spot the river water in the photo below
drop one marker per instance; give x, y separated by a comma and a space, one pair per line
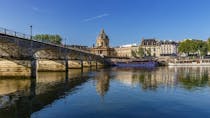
165, 92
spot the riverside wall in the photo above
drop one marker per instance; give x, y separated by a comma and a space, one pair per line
23, 67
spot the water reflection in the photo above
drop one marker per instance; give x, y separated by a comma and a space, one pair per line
102, 82
20, 97
187, 77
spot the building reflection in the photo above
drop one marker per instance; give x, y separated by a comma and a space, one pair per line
102, 82
151, 79
20, 97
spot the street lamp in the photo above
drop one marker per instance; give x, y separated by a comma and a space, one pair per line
65, 42
31, 31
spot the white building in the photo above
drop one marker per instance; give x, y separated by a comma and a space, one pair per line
168, 48
153, 47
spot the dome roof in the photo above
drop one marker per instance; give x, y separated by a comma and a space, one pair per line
102, 40
103, 35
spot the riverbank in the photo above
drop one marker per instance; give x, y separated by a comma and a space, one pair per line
23, 67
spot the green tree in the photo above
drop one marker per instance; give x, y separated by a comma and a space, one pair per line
133, 53
193, 46
203, 48
148, 51
208, 43
49, 38
185, 47
140, 52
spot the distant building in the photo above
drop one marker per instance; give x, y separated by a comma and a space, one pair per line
153, 47
168, 48
102, 45
81, 47
150, 47
125, 50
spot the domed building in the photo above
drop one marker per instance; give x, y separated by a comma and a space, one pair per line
102, 40
102, 45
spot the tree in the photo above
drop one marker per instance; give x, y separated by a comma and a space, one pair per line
193, 46
49, 38
140, 52
203, 47
208, 43
148, 52
133, 53
185, 47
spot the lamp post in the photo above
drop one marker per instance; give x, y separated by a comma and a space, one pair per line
31, 31
64, 42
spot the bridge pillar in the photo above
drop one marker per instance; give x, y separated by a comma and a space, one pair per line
67, 67
96, 64
90, 64
81, 62
34, 68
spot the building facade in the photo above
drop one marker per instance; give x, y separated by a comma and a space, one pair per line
102, 45
151, 47
155, 48
125, 51
168, 48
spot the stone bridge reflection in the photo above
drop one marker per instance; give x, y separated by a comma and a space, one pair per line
20, 97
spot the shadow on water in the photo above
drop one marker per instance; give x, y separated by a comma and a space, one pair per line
20, 96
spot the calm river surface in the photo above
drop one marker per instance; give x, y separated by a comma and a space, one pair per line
109, 93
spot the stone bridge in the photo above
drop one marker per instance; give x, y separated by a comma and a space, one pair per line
23, 51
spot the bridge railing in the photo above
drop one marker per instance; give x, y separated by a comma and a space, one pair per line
14, 33
28, 37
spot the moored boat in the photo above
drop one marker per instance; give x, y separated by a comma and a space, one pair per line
136, 64
190, 62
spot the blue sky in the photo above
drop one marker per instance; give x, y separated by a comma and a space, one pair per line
125, 21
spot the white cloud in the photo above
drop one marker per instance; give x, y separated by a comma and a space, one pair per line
96, 17
36, 9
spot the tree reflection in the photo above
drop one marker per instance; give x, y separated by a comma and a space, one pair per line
191, 80
188, 77
147, 81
